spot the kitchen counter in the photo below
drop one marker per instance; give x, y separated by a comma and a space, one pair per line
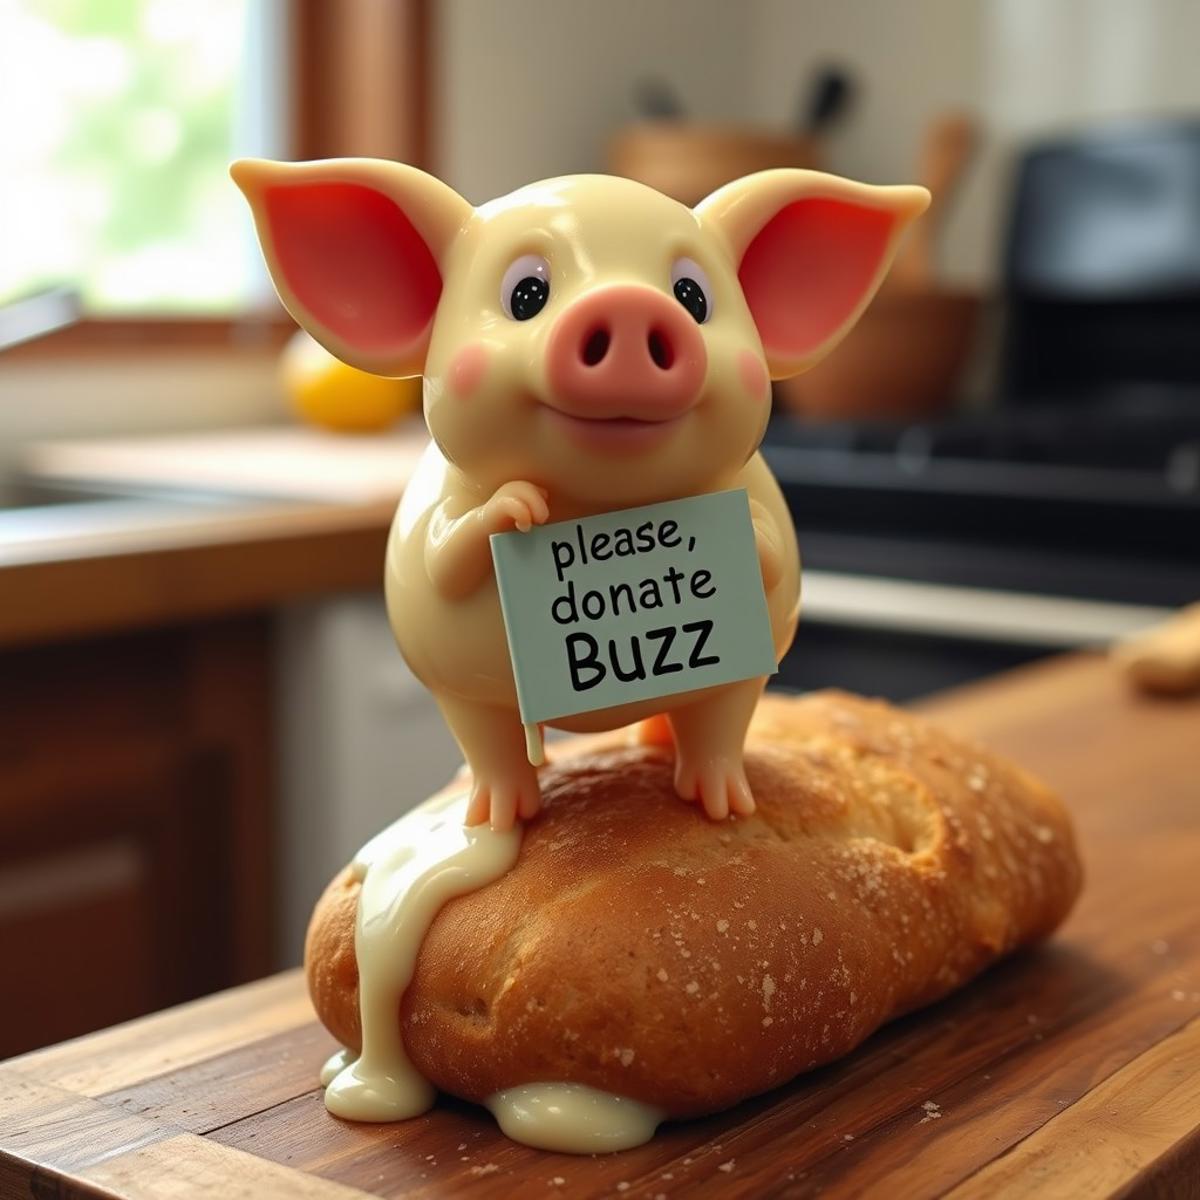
147, 694
242, 519
200, 525
1073, 1070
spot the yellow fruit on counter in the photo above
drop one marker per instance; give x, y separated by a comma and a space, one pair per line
327, 393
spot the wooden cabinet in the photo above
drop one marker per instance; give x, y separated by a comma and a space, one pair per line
135, 825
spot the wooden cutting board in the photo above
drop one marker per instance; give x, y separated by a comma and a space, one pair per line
1072, 1071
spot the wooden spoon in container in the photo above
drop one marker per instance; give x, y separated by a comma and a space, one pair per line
946, 151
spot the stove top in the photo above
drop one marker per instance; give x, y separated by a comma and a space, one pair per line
1098, 500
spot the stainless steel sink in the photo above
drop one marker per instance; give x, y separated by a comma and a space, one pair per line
28, 494
36, 516
20, 494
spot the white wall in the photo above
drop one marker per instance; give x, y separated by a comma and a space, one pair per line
528, 88
1027, 68
909, 62
1055, 63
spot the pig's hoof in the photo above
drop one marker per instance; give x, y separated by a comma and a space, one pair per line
501, 801
719, 784
518, 505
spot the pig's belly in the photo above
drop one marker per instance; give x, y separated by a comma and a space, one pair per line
461, 648
458, 647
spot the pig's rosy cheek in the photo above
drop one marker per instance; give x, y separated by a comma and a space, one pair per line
753, 375
467, 371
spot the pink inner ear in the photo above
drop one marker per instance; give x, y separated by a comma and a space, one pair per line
356, 262
808, 268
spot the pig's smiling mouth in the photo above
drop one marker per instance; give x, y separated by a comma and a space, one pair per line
614, 432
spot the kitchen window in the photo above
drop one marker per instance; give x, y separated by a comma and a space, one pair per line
116, 182
121, 119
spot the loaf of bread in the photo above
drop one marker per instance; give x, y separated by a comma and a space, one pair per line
646, 951
1166, 658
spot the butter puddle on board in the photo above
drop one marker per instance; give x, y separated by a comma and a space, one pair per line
572, 1118
407, 872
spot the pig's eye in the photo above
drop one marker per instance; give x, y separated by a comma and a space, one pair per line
691, 288
525, 287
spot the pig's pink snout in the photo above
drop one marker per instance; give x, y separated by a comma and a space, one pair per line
625, 350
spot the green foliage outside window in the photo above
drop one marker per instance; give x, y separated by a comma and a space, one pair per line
118, 128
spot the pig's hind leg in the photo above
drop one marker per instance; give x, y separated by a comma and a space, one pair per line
709, 740
653, 731
503, 783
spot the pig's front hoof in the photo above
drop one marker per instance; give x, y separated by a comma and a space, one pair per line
500, 801
517, 505
719, 784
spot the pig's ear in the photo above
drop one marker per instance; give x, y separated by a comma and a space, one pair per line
810, 251
356, 249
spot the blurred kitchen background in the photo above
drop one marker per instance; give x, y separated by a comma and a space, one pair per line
202, 714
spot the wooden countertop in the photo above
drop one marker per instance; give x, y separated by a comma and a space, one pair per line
298, 513
1066, 1072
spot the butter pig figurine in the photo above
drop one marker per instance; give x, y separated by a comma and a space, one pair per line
587, 345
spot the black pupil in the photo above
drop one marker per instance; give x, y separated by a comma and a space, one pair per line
691, 295
529, 297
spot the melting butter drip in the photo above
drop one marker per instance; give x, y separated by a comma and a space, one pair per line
572, 1118
334, 1065
407, 872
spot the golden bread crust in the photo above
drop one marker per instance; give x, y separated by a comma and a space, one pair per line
639, 948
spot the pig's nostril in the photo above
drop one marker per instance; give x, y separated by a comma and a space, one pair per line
595, 347
660, 349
